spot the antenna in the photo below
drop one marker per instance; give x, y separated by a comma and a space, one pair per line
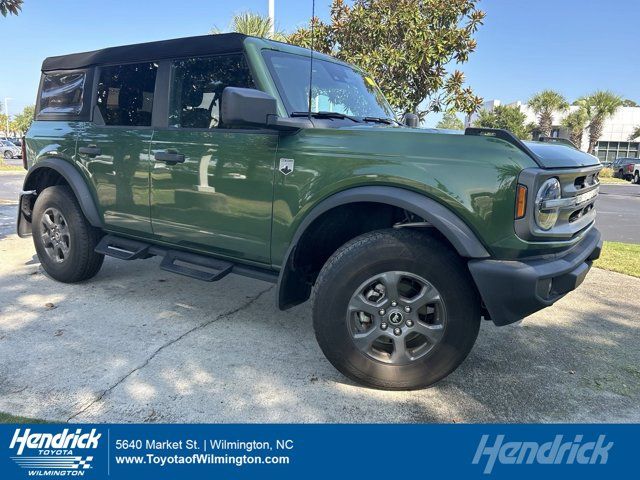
313, 16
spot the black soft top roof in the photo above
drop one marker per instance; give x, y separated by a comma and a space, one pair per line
179, 47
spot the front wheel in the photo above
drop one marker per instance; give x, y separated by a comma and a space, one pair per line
396, 309
636, 178
8, 155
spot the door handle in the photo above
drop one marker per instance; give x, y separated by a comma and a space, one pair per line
91, 150
170, 157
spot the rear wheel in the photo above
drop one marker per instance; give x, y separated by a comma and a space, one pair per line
395, 309
64, 239
636, 178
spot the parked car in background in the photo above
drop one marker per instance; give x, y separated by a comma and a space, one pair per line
623, 167
636, 173
9, 150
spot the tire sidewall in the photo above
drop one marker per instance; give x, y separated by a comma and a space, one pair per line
444, 272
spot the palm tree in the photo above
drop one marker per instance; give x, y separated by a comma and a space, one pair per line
599, 105
635, 134
576, 122
10, 7
544, 104
252, 24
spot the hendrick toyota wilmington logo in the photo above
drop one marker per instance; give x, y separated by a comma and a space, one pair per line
550, 453
54, 454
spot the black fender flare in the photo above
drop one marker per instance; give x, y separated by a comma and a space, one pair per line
77, 183
463, 239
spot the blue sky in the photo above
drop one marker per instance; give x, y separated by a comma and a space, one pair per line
574, 46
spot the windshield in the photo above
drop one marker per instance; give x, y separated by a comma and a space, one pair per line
337, 88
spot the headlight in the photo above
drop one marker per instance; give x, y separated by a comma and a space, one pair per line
547, 216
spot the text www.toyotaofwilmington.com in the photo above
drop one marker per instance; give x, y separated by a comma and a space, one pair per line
200, 459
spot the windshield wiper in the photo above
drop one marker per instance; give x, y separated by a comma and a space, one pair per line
323, 114
386, 121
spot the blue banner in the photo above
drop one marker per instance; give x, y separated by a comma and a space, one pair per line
94, 451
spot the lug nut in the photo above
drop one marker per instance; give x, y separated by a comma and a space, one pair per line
383, 326
397, 331
407, 309
393, 304
409, 323
381, 311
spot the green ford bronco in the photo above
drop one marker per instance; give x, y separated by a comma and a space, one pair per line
204, 151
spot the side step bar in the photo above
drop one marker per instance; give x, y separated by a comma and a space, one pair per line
200, 267
122, 248
195, 266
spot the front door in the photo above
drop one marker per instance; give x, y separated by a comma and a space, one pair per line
114, 147
211, 187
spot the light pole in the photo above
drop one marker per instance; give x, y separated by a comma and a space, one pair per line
272, 16
6, 109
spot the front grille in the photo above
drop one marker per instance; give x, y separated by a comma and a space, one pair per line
576, 207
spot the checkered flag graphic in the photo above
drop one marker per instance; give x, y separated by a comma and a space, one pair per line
84, 464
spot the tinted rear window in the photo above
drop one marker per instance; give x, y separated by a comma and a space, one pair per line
62, 93
125, 94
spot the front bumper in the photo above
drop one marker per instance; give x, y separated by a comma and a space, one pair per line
511, 290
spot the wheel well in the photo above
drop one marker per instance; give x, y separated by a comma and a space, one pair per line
326, 234
44, 177
38, 181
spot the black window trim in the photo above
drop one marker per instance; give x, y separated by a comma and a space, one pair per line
87, 95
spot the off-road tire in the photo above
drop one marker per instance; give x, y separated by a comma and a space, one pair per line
410, 251
82, 261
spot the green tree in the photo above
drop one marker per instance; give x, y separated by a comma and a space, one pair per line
635, 134
543, 105
407, 46
3, 123
599, 106
506, 117
22, 121
576, 122
252, 24
450, 121
629, 103
10, 7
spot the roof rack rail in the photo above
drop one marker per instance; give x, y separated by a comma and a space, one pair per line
502, 134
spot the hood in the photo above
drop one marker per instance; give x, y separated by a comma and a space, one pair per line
545, 155
554, 155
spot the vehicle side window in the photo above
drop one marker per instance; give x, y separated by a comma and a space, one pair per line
197, 85
62, 93
125, 94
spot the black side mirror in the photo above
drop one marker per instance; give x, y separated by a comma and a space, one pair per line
411, 120
246, 107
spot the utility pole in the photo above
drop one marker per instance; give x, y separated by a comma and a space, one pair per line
272, 16
6, 109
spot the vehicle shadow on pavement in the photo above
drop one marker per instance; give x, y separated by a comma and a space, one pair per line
138, 344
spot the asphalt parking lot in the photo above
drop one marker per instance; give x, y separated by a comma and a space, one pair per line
619, 212
137, 344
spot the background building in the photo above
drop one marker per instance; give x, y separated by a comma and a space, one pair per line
614, 141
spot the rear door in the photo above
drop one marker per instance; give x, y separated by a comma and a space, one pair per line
114, 147
211, 186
